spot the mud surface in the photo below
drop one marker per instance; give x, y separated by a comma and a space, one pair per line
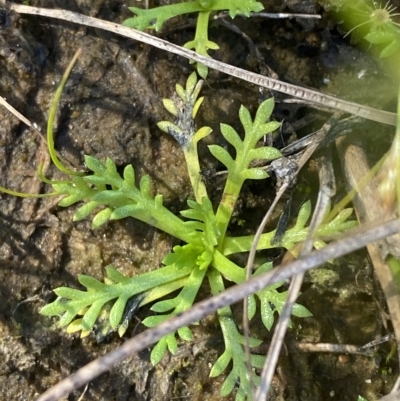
110, 108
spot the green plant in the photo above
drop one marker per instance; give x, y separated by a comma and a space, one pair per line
374, 23
378, 28
154, 19
107, 195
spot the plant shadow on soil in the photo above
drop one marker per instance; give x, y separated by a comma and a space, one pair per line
110, 107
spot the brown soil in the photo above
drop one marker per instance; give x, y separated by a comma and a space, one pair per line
110, 108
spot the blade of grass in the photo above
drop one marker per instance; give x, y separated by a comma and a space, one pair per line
52, 115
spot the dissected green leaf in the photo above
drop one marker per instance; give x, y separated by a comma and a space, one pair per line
202, 233
254, 174
116, 276
185, 333
117, 311
231, 136
158, 351
245, 118
182, 255
222, 155
154, 18
91, 282
102, 217
165, 306
85, 210
94, 164
90, 317
264, 111
221, 364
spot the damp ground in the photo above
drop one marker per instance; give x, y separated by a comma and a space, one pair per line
110, 108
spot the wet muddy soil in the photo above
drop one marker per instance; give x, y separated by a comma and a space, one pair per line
110, 108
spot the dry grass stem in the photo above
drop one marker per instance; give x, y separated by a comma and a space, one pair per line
269, 83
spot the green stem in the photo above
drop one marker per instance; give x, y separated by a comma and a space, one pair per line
234, 182
190, 290
44, 179
202, 44
52, 115
26, 195
193, 166
166, 221
228, 269
163, 290
150, 280
225, 316
226, 206
244, 244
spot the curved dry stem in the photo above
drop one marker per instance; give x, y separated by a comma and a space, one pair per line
249, 266
326, 192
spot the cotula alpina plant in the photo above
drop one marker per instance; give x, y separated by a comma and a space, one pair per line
107, 306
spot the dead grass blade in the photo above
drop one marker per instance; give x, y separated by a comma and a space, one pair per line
21, 117
312, 96
369, 207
